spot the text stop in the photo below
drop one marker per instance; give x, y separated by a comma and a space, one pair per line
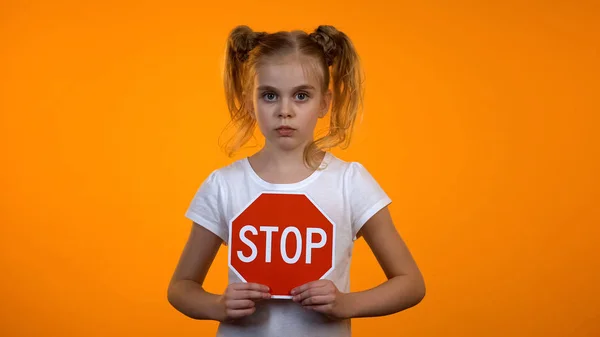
269, 230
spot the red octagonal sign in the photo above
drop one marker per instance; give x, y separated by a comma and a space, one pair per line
281, 240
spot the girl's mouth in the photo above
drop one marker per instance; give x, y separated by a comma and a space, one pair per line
285, 131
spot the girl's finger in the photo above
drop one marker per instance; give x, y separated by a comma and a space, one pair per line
318, 291
240, 304
306, 286
318, 300
249, 294
250, 286
238, 313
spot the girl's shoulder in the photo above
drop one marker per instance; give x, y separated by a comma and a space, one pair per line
348, 168
230, 170
218, 178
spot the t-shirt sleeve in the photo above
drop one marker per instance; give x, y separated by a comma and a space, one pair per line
365, 195
206, 207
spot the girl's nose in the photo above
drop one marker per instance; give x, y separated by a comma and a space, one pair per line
285, 114
286, 110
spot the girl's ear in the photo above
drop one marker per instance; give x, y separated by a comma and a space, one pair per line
325, 103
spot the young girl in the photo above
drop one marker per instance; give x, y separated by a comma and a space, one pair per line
284, 82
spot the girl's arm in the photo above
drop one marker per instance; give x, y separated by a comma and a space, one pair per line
185, 292
403, 289
405, 286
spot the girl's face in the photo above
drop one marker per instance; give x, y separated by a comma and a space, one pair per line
288, 101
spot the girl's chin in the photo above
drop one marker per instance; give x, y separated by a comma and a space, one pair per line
287, 143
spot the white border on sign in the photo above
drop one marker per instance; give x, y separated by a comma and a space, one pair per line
281, 192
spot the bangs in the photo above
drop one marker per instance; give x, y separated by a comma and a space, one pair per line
312, 68
313, 72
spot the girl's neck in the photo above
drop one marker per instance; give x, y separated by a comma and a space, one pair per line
280, 166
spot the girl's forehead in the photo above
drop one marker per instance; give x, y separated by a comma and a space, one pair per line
287, 72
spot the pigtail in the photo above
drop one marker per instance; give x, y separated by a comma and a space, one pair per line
347, 87
241, 41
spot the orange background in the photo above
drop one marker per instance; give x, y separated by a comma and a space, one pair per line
481, 124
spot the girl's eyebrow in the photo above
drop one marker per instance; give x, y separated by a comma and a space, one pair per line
300, 87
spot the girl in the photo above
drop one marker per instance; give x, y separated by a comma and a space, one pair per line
284, 82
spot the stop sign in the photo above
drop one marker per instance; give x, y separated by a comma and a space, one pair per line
282, 240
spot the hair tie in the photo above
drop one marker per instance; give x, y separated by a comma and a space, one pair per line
247, 43
327, 44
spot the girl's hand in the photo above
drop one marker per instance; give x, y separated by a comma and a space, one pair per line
324, 297
239, 299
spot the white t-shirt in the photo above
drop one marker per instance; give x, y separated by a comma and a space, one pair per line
345, 191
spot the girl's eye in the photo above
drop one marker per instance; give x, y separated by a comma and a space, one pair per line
302, 96
269, 96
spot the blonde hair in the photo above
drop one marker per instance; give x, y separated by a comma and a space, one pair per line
335, 55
